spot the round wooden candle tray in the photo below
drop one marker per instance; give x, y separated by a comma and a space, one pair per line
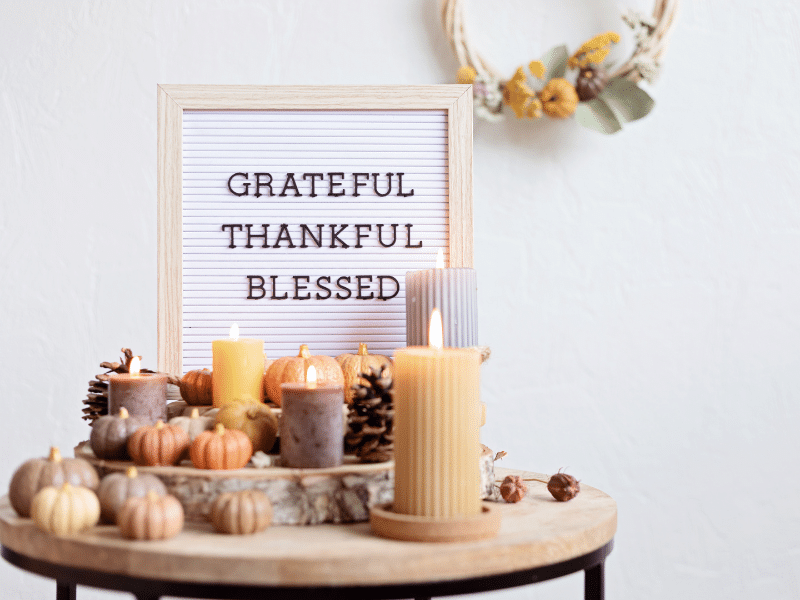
411, 528
341, 494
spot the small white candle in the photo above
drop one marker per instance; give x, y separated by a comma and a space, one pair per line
454, 292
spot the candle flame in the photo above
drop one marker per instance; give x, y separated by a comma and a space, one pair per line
439, 259
435, 330
311, 376
234, 332
136, 366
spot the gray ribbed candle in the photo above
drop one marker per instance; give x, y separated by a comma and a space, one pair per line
455, 293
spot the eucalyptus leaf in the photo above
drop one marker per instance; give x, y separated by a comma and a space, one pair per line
628, 101
596, 114
555, 62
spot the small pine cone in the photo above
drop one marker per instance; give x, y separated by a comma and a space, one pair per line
513, 489
370, 427
563, 487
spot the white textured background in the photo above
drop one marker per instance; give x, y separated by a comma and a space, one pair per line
640, 292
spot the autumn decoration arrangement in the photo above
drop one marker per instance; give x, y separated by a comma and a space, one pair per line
599, 94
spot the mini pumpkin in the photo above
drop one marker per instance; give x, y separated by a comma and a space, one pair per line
241, 513
221, 448
65, 509
116, 488
559, 98
109, 438
151, 517
37, 473
354, 365
158, 444
591, 81
254, 419
194, 424
196, 387
292, 369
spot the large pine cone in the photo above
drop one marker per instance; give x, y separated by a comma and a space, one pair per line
370, 432
97, 399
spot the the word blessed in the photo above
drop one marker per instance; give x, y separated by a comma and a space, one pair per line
359, 287
336, 184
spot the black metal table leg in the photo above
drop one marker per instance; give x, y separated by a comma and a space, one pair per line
594, 582
65, 591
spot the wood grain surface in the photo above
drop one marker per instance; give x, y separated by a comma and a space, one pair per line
535, 532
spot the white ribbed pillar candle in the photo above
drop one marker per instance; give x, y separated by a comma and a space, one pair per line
455, 293
436, 393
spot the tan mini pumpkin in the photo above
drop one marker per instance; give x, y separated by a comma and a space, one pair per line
241, 513
151, 517
254, 419
221, 449
116, 488
196, 388
65, 509
559, 98
292, 369
109, 438
353, 365
158, 445
37, 473
194, 424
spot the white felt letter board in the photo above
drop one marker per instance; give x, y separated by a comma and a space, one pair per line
299, 223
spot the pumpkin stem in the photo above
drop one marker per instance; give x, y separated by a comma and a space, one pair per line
219, 428
152, 496
66, 486
132, 472
159, 424
123, 413
362, 349
304, 351
55, 454
195, 413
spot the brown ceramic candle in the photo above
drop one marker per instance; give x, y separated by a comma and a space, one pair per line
143, 395
312, 430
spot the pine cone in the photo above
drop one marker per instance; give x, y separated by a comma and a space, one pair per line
97, 398
370, 432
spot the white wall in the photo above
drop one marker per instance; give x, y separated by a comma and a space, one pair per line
639, 292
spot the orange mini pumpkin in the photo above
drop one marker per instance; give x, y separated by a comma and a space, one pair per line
559, 98
151, 517
196, 388
292, 369
221, 449
158, 445
354, 365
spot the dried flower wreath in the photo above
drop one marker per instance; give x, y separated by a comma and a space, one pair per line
598, 99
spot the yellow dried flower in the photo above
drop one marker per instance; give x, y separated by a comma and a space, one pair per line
594, 51
466, 74
559, 98
519, 96
537, 68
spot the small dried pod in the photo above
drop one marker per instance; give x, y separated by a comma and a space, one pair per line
65, 509
563, 487
241, 513
116, 488
37, 473
591, 81
221, 449
109, 438
513, 488
158, 445
196, 388
151, 517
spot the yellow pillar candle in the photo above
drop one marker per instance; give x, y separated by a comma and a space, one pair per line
238, 368
437, 430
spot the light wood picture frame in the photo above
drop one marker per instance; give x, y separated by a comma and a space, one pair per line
176, 101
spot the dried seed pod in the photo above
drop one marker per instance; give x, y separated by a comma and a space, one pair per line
513, 488
563, 487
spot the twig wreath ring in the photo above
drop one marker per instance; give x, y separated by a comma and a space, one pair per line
599, 98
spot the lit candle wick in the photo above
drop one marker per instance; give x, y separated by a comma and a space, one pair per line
436, 330
234, 334
311, 377
135, 366
439, 259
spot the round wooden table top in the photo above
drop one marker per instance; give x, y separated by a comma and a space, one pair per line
536, 532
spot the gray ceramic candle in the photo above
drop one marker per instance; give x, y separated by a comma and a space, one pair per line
312, 429
143, 395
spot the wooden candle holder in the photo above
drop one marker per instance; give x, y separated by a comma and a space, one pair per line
411, 528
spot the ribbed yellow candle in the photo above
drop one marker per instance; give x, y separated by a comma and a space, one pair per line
437, 432
238, 370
